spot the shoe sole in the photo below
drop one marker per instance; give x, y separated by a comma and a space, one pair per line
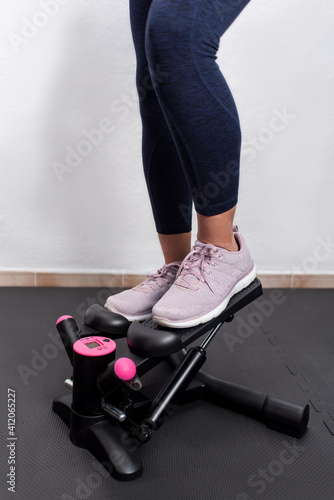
243, 283
141, 317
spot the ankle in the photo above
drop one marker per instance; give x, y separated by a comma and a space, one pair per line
175, 246
231, 244
234, 247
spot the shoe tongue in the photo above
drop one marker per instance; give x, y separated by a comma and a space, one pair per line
171, 270
199, 246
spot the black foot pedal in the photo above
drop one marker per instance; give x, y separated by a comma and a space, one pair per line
167, 341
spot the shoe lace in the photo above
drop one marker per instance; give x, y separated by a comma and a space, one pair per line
160, 278
196, 263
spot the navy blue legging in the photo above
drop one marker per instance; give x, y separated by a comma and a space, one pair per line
190, 126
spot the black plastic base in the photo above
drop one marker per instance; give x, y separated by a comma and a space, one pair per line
105, 439
115, 447
285, 416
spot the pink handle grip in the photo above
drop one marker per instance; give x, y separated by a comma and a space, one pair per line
125, 369
63, 317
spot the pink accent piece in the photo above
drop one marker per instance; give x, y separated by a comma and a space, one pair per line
125, 369
62, 318
87, 346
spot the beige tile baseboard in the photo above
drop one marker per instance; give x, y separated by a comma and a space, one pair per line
297, 280
98, 280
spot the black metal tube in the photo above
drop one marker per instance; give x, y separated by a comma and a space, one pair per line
175, 386
277, 413
69, 333
232, 396
86, 370
107, 381
210, 336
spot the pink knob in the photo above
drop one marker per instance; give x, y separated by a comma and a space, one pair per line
125, 369
62, 318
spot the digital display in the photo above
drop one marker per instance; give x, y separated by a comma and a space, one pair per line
91, 345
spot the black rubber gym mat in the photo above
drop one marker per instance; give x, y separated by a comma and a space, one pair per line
283, 343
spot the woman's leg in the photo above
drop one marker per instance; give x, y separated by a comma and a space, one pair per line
182, 38
183, 106
165, 179
169, 193
166, 182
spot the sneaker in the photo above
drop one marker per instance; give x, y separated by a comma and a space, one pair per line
137, 303
206, 280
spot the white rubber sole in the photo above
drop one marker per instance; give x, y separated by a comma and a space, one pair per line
127, 316
243, 283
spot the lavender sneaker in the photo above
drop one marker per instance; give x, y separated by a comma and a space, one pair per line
206, 280
137, 303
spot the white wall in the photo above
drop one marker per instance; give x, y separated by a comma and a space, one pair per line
78, 70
